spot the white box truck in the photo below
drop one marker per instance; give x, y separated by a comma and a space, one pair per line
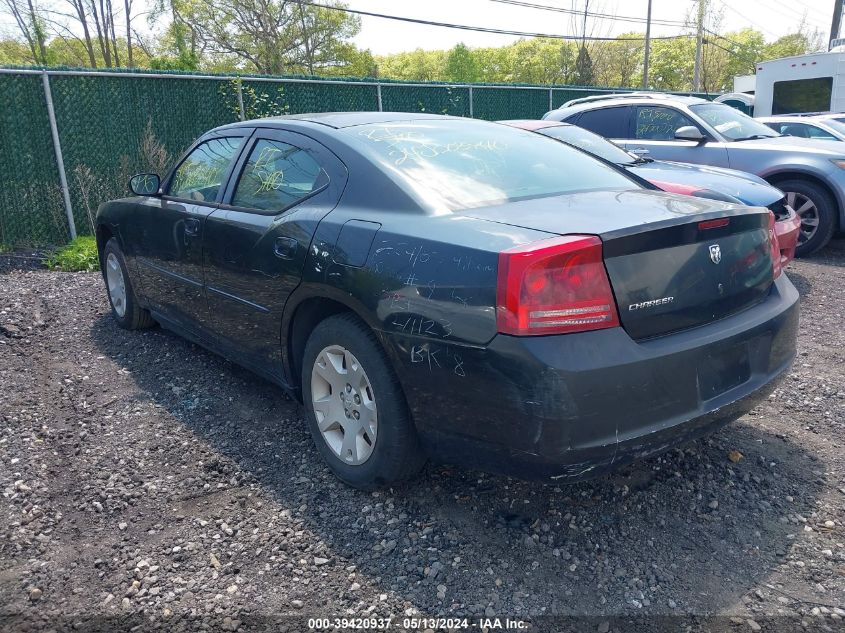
807, 83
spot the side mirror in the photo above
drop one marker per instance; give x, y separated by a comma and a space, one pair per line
145, 184
690, 133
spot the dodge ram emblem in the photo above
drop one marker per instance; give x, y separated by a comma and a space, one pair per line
715, 254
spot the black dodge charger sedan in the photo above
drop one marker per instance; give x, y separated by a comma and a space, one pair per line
440, 287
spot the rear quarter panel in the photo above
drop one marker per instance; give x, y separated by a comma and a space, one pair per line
114, 216
427, 287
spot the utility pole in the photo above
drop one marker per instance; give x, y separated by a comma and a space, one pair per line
837, 19
699, 42
647, 46
584, 28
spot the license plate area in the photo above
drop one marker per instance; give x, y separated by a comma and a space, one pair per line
723, 370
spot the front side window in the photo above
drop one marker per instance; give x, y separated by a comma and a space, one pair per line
276, 176
200, 175
656, 123
731, 123
459, 164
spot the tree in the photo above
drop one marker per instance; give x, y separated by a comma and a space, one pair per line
13, 52
672, 64
30, 22
273, 36
181, 45
323, 33
351, 62
619, 62
461, 65
81, 16
584, 67
417, 65
540, 61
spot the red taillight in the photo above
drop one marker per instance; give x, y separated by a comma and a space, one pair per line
773, 243
713, 224
554, 286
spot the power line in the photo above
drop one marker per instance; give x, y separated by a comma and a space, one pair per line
483, 29
743, 58
747, 19
804, 12
722, 37
598, 16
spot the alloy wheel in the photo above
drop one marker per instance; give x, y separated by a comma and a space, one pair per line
344, 405
807, 212
116, 284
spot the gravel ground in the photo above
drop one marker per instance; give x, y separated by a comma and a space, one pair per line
149, 483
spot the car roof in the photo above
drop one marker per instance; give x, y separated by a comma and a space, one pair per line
340, 119
797, 118
601, 101
533, 124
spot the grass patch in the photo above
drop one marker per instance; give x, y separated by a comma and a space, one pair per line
78, 256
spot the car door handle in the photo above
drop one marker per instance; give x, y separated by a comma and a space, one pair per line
285, 247
192, 227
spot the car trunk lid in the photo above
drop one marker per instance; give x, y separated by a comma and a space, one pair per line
674, 262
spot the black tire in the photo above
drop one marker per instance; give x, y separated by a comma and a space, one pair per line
134, 316
827, 213
396, 454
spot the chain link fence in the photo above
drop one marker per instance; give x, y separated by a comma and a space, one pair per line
70, 139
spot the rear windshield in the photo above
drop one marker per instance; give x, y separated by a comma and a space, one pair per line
589, 142
464, 164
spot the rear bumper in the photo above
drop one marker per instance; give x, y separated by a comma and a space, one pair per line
573, 406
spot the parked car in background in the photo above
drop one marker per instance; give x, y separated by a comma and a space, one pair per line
693, 130
439, 287
827, 127
715, 183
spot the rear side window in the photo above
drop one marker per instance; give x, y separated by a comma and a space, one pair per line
659, 124
201, 173
606, 122
276, 176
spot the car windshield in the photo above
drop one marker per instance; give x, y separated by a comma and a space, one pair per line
731, 123
463, 164
590, 142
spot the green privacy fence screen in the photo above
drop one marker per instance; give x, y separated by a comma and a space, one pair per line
111, 124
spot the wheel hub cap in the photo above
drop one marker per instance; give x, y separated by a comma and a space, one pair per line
344, 405
116, 284
807, 211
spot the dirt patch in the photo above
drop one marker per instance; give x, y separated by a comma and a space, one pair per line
152, 483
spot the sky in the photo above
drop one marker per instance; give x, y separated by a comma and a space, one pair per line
773, 17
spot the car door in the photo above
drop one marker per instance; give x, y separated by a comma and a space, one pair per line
653, 134
257, 241
168, 230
